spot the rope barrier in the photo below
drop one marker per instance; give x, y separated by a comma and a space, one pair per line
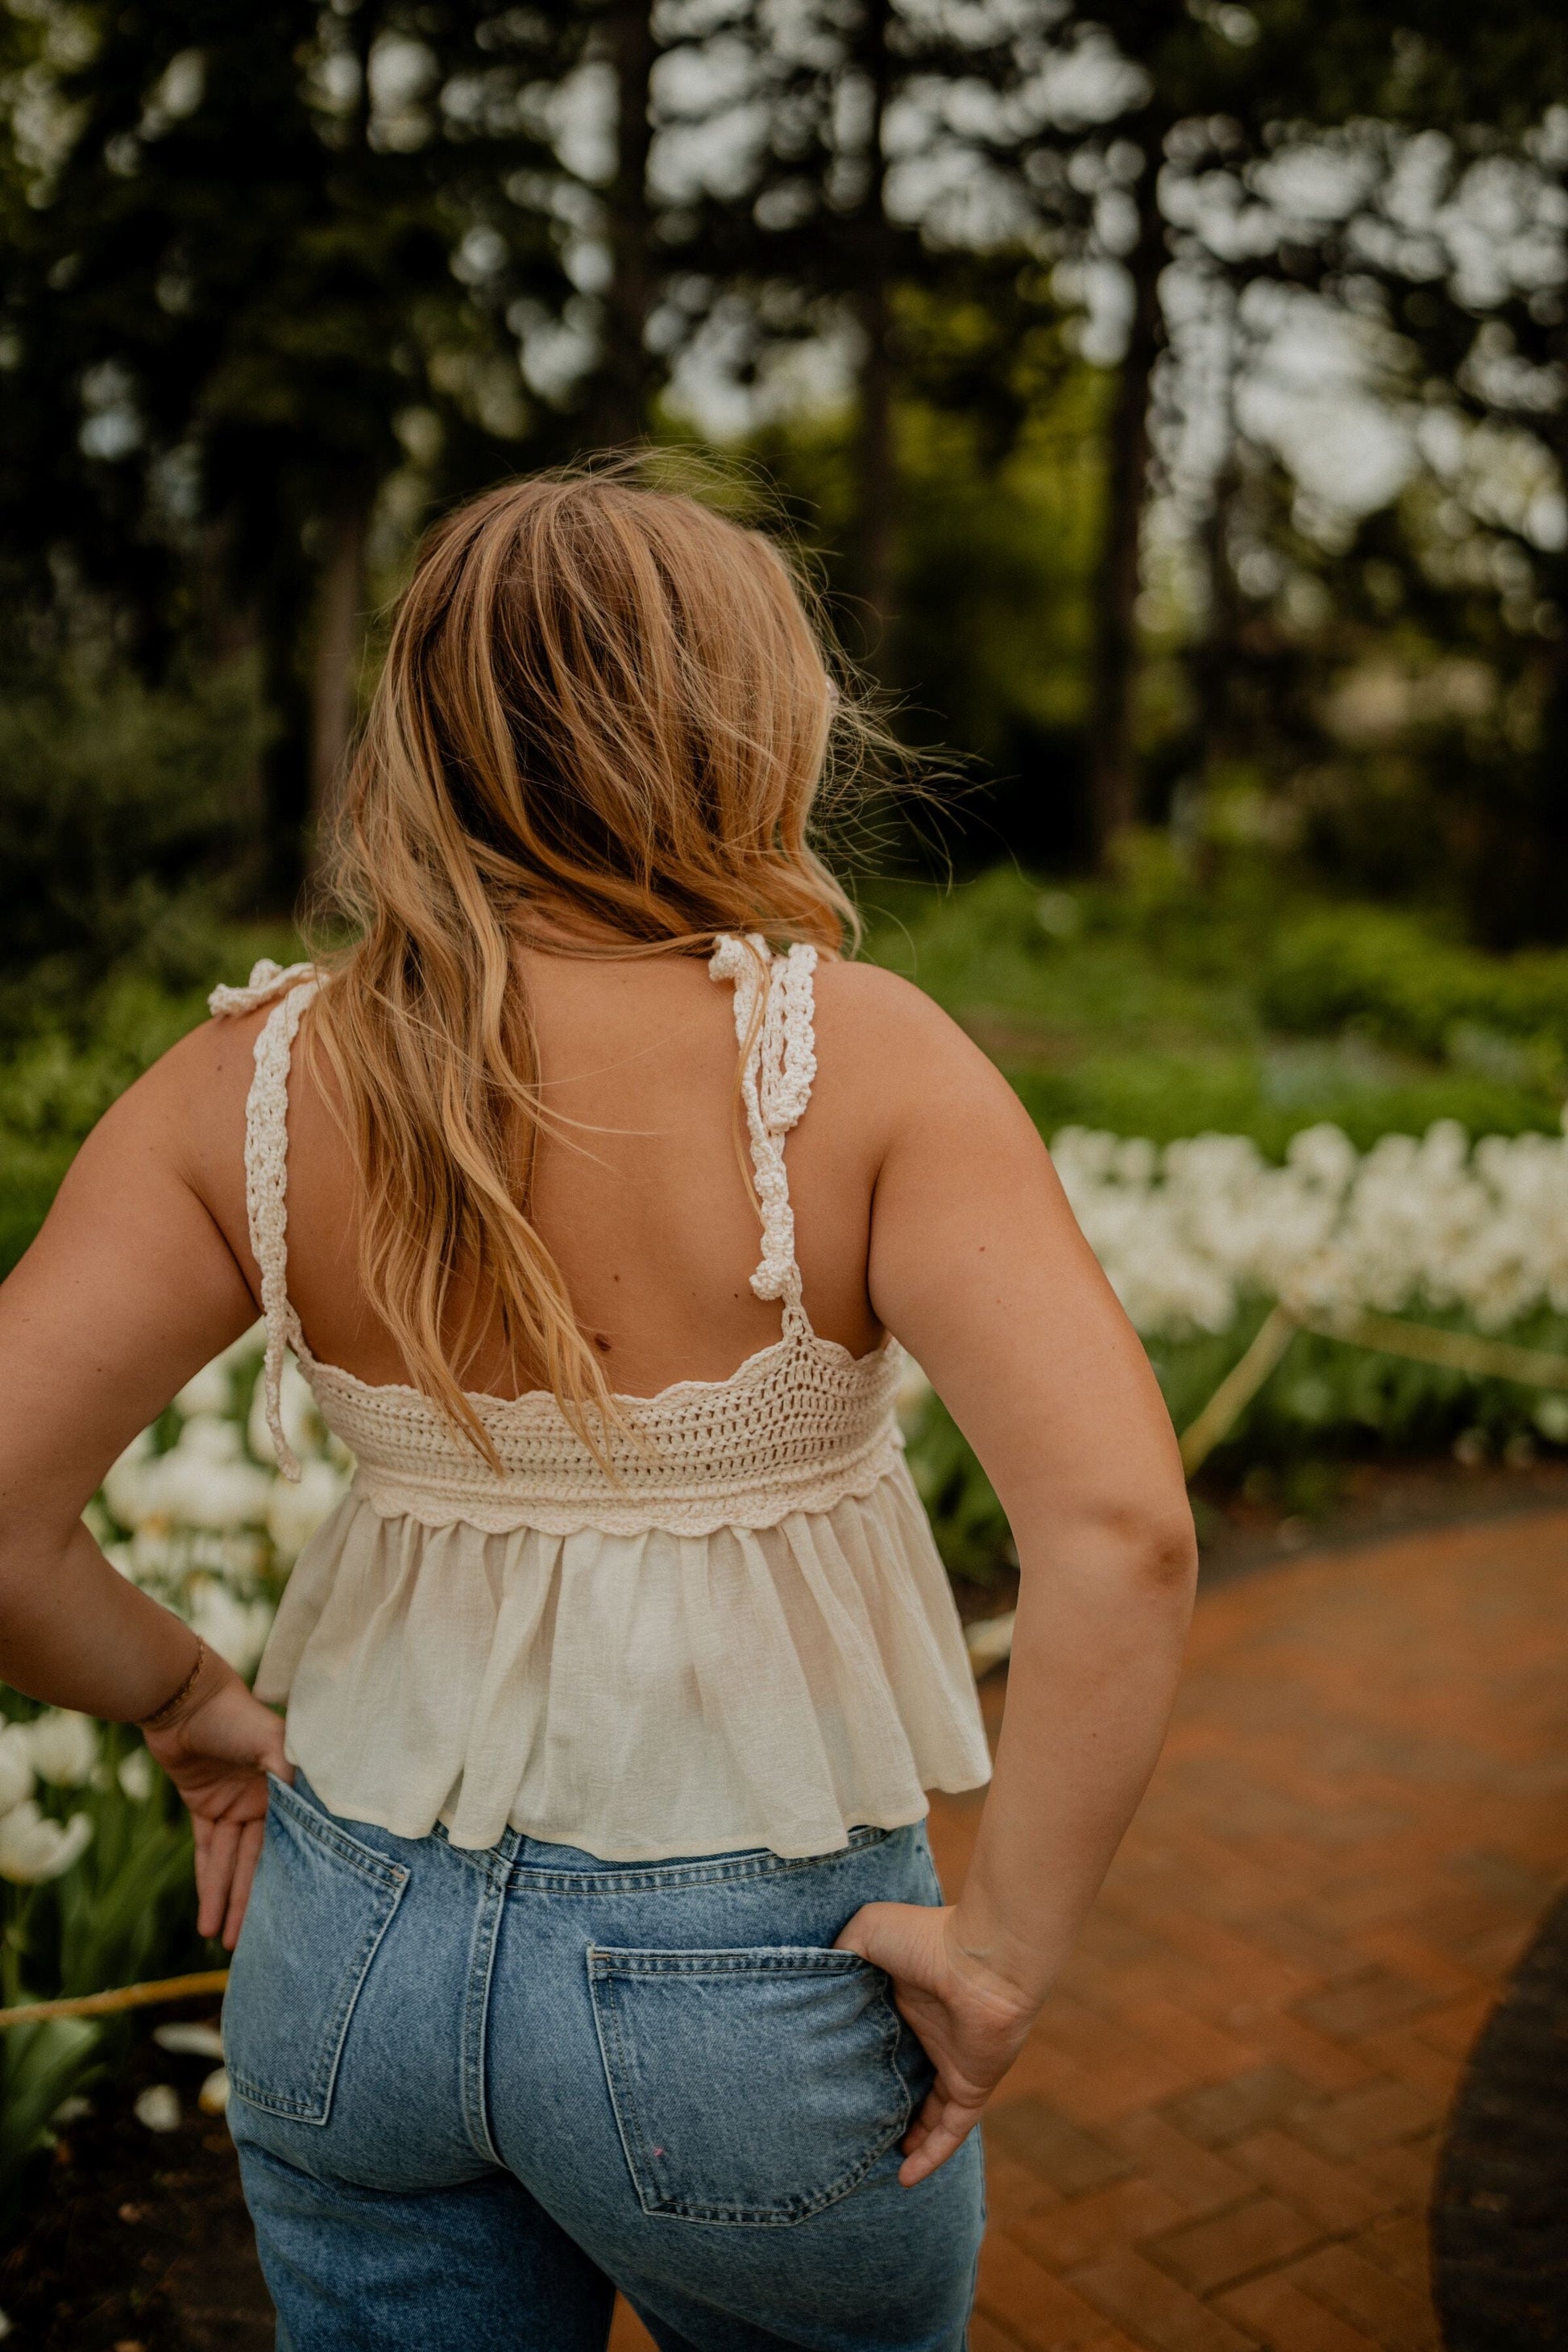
109, 2004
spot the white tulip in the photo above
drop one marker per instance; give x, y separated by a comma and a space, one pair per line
138, 1776
1418, 1223
295, 1512
33, 1848
158, 2108
913, 1390
236, 1629
213, 2097
63, 1747
189, 2041
204, 1481
15, 1765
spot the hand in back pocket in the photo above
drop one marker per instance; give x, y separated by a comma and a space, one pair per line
750, 2087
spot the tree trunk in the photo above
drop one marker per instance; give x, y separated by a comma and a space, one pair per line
619, 410
1216, 657
335, 678
875, 474
1113, 782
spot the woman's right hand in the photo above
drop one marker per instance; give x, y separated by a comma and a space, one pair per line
219, 1758
969, 2020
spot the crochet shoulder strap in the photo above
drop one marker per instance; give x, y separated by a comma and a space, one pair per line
773, 1015
266, 1163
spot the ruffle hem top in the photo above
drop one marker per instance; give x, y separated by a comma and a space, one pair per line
744, 1638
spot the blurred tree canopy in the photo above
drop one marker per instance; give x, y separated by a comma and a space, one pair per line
1176, 391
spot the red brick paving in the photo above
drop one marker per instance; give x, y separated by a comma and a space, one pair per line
1221, 2134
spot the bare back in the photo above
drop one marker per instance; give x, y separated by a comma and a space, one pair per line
639, 1190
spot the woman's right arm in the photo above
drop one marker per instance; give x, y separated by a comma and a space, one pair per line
979, 1267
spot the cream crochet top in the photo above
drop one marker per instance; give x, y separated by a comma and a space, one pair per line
743, 1638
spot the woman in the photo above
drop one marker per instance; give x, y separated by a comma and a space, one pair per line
590, 1936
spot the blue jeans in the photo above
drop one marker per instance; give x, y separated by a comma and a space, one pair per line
474, 2093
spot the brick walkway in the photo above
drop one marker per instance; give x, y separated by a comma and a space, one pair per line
1222, 2129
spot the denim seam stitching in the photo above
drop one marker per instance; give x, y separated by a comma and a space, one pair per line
654, 1879
610, 2026
652, 1961
377, 1867
475, 2014
315, 2106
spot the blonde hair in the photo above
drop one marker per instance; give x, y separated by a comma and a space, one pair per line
602, 701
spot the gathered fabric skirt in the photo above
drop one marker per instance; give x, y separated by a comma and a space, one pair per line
632, 1695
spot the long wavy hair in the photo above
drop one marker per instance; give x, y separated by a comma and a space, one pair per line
606, 710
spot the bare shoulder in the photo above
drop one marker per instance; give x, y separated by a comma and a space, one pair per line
896, 1039
897, 1076
862, 1008
190, 1098
183, 1122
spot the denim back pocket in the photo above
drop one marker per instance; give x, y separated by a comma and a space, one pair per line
749, 2085
320, 1906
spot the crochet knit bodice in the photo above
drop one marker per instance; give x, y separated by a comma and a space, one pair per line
797, 1427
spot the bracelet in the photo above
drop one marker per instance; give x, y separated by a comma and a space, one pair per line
164, 1717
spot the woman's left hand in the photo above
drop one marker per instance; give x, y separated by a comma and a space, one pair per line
969, 2020
218, 1758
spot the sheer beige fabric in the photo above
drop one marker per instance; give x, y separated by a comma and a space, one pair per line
742, 1638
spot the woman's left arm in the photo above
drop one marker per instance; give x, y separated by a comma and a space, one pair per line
130, 1289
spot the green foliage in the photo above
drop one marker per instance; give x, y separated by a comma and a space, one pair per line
72, 1052
118, 802
1164, 1006
1395, 980
40, 2066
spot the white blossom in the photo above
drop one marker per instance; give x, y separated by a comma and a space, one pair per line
236, 1629
208, 1392
189, 2041
33, 1848
63, 1747
125, 1484
204, 1481
137, 1775
295, 1512
1186, 1234
158, 2108
15, 1765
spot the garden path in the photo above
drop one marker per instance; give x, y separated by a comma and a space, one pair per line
1222, 2129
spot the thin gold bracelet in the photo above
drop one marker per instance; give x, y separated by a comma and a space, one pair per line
162, 1716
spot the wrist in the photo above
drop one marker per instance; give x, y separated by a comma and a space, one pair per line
205, 1670
1008, 1971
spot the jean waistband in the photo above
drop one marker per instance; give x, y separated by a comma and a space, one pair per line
540, 1864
